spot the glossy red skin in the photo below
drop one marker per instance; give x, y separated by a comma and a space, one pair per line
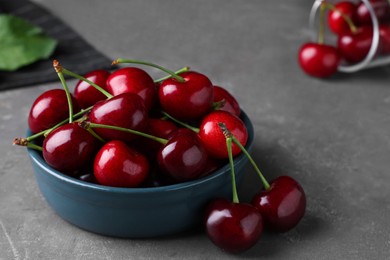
118, 165
187, 100
212, 137
69, 148
230, 103
354, 47
86, 94
384, 34
381, 9
125, 110
336, 22
283, 205
183, 158
133, 80
319, 60
50, 108
157, 127
233, 227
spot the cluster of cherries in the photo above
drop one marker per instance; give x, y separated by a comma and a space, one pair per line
124, 129
352, 25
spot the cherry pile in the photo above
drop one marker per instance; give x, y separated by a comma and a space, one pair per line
125, 129
351, 23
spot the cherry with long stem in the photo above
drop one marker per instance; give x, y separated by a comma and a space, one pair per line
231, 225
282, 203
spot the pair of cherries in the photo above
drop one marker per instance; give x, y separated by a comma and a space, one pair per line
235, 226
352, 24
114, 109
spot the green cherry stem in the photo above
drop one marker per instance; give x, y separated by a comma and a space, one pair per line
77, 76
321, 31
196, 130
170, 72
233, 176
227, 133
86, 125
47, 132
184, 69
58, 68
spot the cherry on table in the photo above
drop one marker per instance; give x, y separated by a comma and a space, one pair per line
134, 80
282, 205
187, 100
69, 147
319, 60
85, 94
49, 109
118, 165
234, 227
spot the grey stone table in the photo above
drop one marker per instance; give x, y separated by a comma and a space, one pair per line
332, 135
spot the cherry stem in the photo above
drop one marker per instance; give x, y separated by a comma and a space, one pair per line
90, 130
77, 76
184, 69
86, 125
233, 176
170, 72
228, 134
219, 104
196, 130
26, 143
346, 18
47, 131
58, 68
321, 33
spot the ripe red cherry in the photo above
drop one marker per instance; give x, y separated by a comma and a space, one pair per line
187, 100
50, 108
381, 10
69, 147
336, 21
229, 102
282, 205
234, 227
183, 158
118, 165
319, 60
133, 80
212, 137
126, 110
86, 94
354, 47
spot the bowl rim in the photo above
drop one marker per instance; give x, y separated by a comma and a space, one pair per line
38, 159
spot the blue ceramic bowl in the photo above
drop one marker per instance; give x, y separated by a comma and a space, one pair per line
134, 212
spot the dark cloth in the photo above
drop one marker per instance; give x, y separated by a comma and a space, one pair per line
73, 52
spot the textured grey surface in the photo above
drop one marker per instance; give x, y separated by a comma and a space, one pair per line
332, 135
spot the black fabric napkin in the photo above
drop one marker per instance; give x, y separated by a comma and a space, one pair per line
72, 50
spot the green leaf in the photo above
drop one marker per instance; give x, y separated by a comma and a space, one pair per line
22, 43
